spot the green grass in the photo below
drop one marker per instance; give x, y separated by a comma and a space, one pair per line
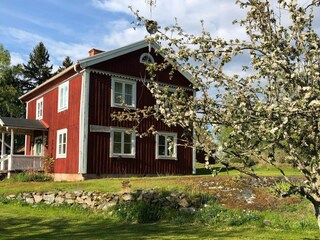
260, 170
19, 221
43, 222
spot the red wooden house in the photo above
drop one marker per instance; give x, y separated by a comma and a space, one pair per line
75, 106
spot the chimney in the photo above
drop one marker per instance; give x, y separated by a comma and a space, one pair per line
94, 51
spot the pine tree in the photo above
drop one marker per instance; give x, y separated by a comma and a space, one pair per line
10, 88
67, 62
37, 70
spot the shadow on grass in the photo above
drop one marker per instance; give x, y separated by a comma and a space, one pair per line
38, 228
25, 222
205, 171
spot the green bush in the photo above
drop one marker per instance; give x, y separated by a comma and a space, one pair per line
139, 212
29, 177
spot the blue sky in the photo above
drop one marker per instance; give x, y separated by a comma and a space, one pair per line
73, 27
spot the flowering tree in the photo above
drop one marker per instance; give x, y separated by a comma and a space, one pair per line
273, 108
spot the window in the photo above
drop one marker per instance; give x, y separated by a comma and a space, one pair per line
146, 58
122, 143
39, 109
63, 96
123, 93
38, 146
62, 143
166, 146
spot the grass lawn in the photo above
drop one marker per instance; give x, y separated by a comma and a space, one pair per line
25, 222
18, 221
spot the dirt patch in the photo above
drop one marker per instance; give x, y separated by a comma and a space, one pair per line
244, 193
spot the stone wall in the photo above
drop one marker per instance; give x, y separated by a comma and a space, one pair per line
103, 201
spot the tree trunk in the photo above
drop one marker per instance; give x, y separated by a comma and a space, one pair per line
316, 206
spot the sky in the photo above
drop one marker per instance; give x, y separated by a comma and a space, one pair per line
73, 27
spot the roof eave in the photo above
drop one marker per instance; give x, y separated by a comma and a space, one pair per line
92, 60
21, 98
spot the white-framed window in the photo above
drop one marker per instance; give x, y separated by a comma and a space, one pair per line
62, 139
123, 93
39, 109
122, 143
146, 58
166, 145
63, 96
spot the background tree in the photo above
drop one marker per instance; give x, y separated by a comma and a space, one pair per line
37, 70
10, 87
67, 62
275, 105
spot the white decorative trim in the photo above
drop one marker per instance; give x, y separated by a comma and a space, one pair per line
90, 61
99, 128
132, 78
150, 59
167, 134
84, 121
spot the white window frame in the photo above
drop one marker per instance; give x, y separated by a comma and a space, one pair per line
63, 93
150, 59
39, 109
61, 132
123, 82
167, 134
133, 143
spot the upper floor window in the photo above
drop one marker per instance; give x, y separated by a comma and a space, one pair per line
166, 146
39, 109
122, 143
62, 143
123, 93
63, 96
146, 58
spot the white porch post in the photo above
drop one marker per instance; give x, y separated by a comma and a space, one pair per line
11, 151
2, 150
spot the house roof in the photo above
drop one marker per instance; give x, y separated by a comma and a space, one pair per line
19, 123
48, 81
100, 57
104, 56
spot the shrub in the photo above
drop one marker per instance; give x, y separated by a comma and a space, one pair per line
29, 176
139, 212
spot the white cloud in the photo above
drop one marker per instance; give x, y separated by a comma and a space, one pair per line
17, 58
218, 15
58, 50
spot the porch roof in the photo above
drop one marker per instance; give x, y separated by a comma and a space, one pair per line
21, 124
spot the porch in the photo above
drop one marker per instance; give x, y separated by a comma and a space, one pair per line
12, 162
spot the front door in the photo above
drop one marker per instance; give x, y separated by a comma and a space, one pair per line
37, 146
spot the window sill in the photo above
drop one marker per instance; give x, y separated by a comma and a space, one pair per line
62, 109
167, 158
119, 156
124, 106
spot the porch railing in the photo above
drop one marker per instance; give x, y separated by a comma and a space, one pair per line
21, 163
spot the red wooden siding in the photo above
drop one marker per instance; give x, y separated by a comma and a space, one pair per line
99, 161
130, 65
59, 120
